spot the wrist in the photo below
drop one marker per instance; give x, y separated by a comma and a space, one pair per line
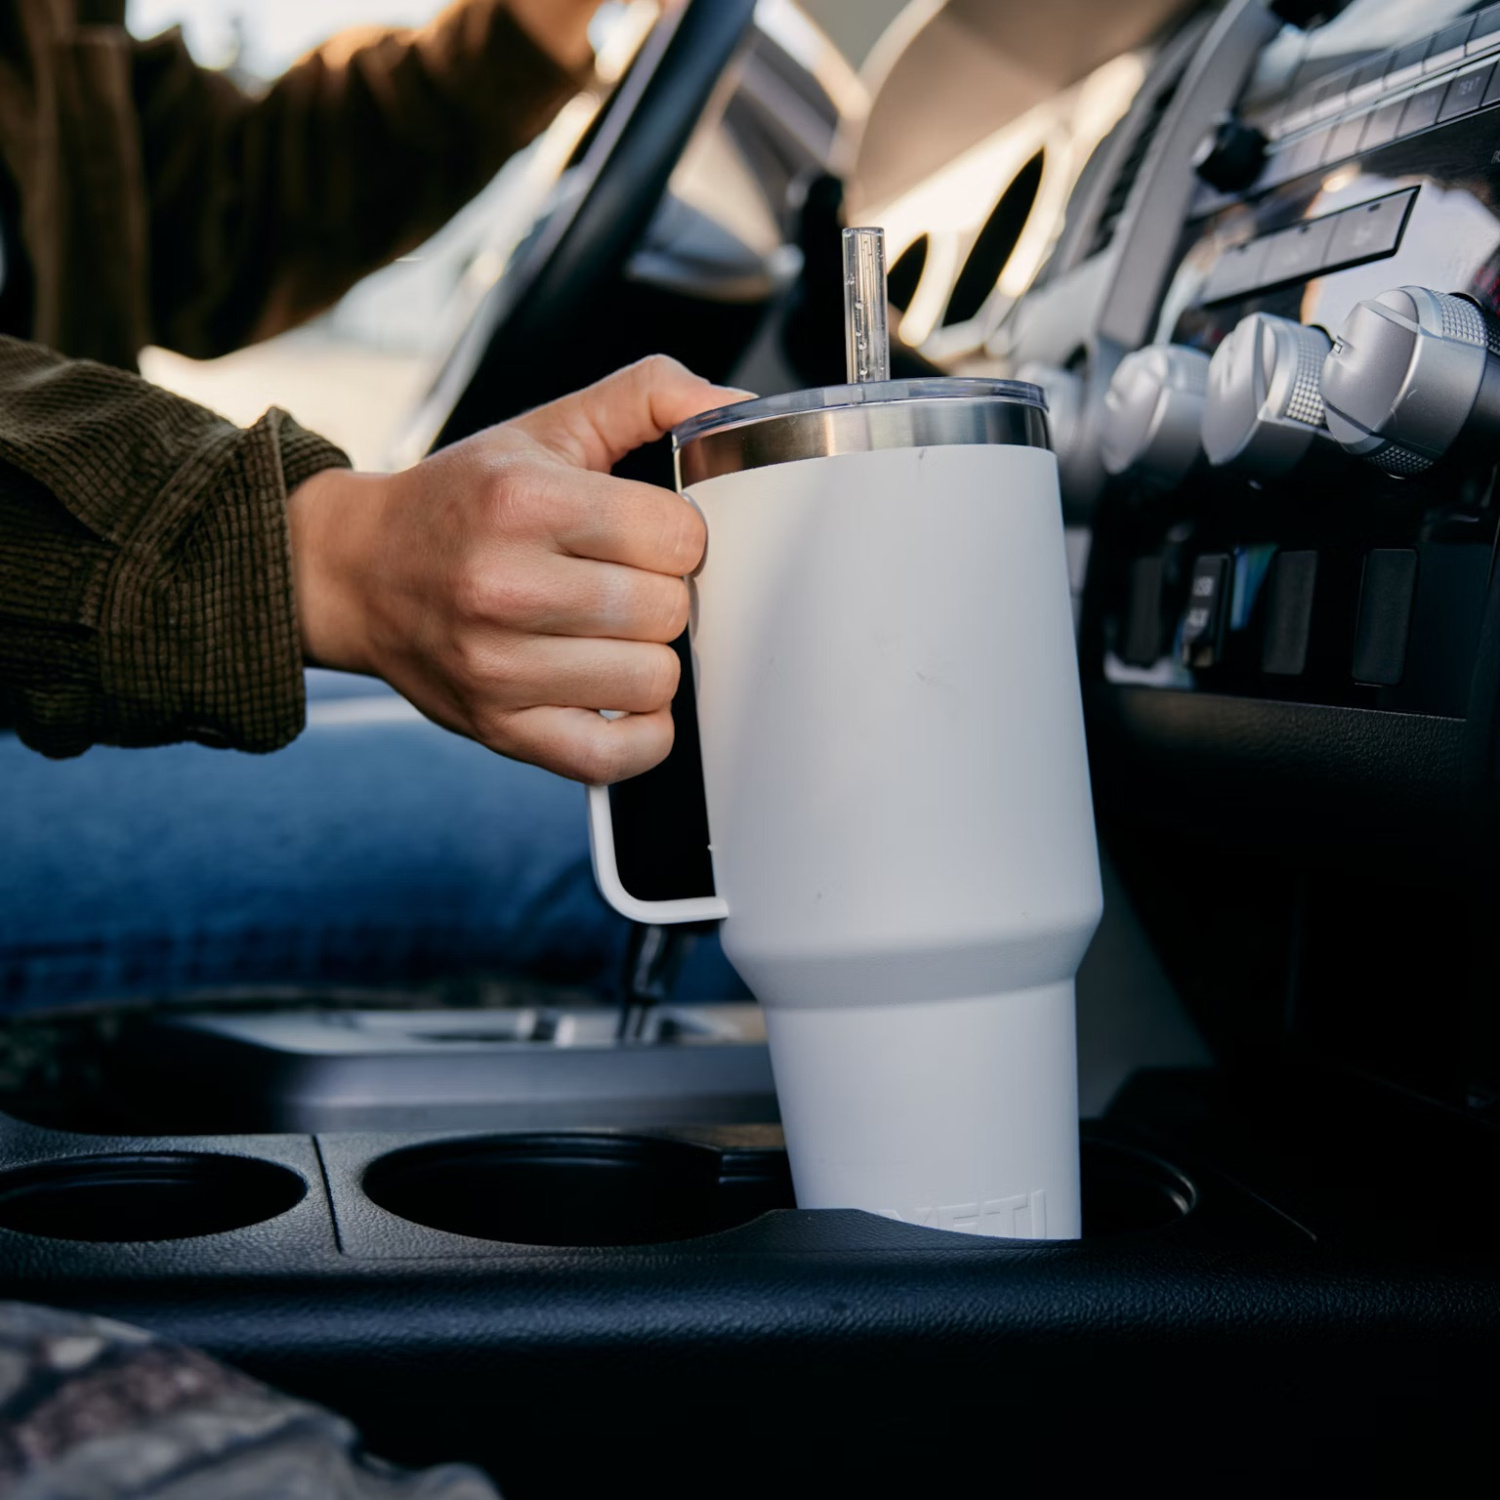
328, 517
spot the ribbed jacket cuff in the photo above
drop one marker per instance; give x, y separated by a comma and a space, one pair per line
198, 631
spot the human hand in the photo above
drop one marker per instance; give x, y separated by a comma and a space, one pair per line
509, 586
558, 27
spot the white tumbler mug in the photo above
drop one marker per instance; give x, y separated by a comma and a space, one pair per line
897, 788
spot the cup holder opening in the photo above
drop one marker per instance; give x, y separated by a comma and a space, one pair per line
566, 1189
147, 1196
1128, 1191
569, 1190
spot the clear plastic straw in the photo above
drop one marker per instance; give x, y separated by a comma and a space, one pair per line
867, 343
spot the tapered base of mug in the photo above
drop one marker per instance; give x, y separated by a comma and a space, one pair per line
955, 1114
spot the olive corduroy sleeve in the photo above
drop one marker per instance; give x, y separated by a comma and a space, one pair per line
263, 208
145, 576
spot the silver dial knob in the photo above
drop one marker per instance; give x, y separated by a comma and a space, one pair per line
1408, 371
1153, 411
1263, 408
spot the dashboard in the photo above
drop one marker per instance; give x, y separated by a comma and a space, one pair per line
1289, 625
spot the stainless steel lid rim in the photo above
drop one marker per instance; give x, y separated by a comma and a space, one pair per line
986, 414
868, 393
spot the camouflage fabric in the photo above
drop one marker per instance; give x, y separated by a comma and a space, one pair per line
93, 1410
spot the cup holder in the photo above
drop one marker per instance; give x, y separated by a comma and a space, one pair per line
569, 1189
597, 1190
155, 1196
1127, 1191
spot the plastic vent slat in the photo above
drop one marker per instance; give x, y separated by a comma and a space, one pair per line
1120, 189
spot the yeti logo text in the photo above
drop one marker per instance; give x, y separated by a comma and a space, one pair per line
1022, 1216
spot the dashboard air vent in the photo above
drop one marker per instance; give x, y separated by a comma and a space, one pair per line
905, 276
1130, 167
992, 250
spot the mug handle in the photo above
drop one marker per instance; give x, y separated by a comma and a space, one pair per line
607, 877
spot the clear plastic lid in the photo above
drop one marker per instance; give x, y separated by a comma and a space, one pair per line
841, 397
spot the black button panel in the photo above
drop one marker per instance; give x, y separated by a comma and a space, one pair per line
1383, 97
1367, 231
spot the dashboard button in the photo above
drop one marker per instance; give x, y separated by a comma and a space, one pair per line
1326, 97
1486, 32
1203, 619
1368, 231
1492, 93
1279, 166
1297, 253
1368, 78
1448, 45
1237, 271
1406, 62
1140, 645
1383, 125
1465, 93
1345, 139
1289, 602
1306, 154
1422, 109
1385, 600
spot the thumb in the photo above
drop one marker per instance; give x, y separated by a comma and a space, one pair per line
596, 427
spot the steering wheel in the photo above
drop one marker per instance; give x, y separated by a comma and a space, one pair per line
553, 294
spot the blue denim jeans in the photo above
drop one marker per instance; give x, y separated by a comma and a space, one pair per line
377, 850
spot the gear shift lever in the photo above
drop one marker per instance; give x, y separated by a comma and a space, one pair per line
652, 960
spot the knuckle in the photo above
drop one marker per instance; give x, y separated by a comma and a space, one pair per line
655, 368
492, 728
660, 677
471, 591
687, 536
600, 758
472, 664
485, 594
650, 608
676, 606
518, 494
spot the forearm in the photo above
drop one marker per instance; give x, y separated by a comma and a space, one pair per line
145, 583
559, 27
265, 210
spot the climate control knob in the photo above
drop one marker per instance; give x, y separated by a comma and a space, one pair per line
1264, 408
1153, 411
1410, 372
